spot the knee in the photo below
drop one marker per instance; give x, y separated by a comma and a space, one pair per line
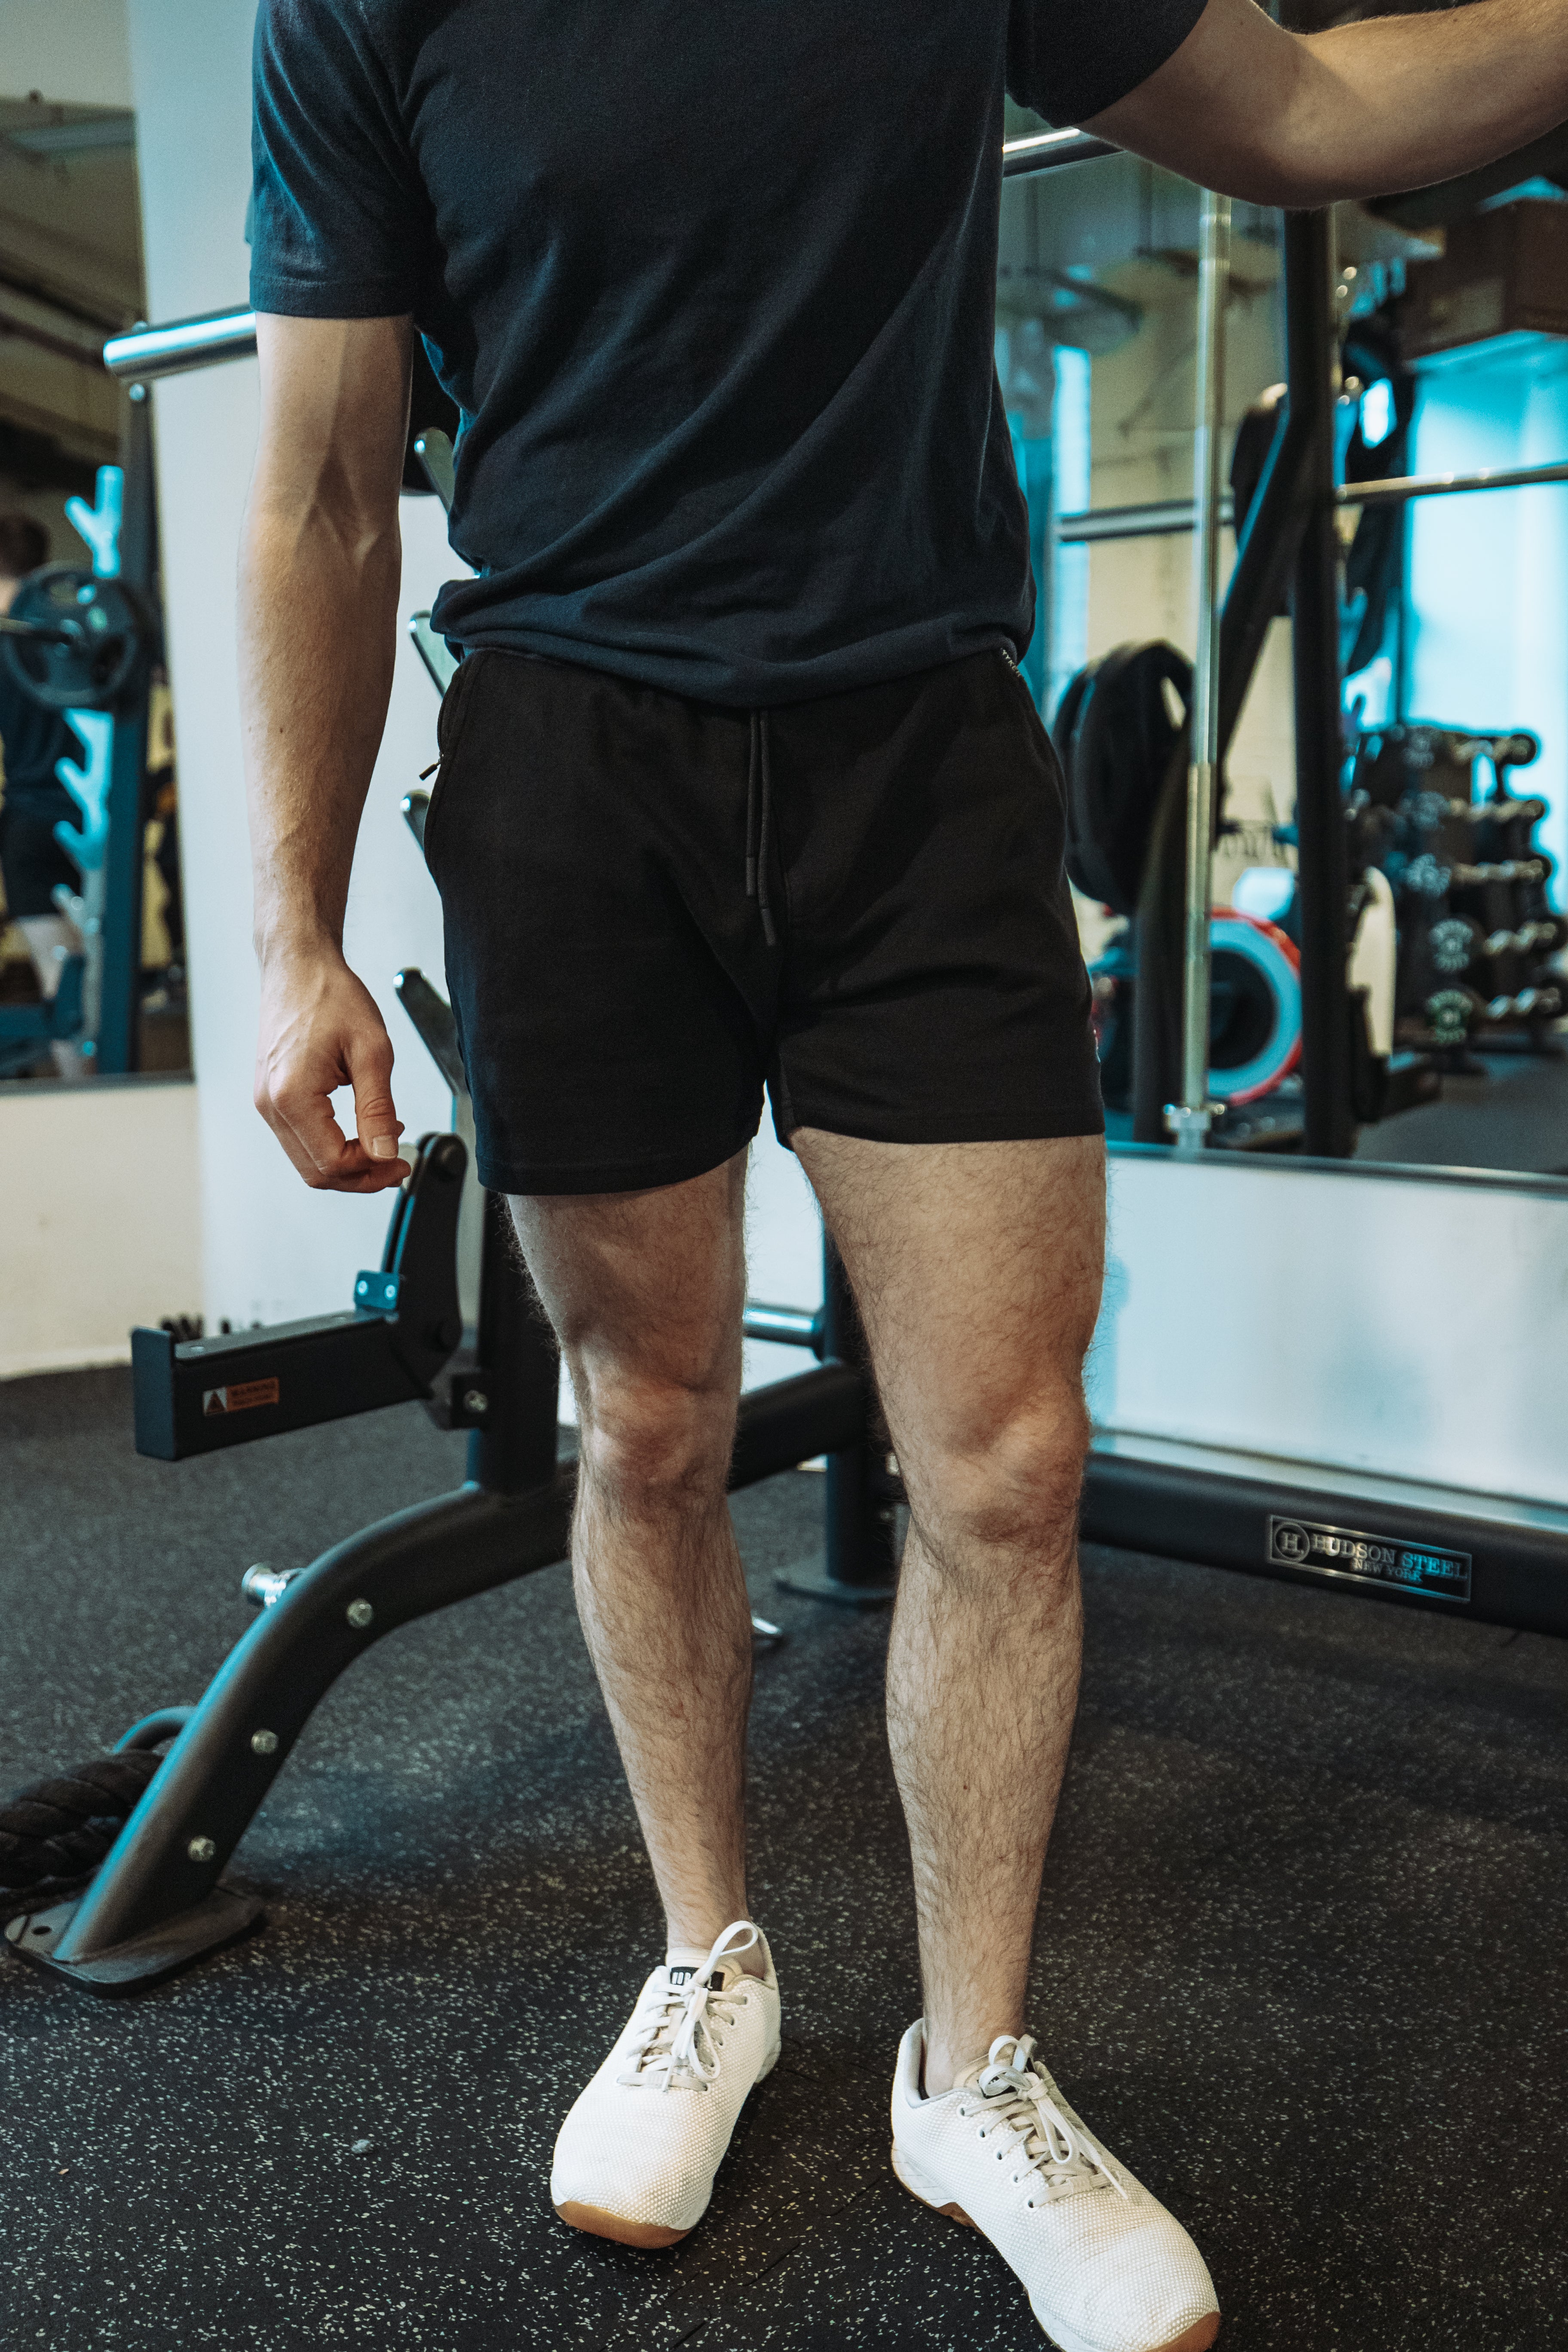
1009, 1494
645, 1438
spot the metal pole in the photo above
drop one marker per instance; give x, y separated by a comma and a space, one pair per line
861, 1566
1169, 518
1322, 857
516, 1380
1189, 1120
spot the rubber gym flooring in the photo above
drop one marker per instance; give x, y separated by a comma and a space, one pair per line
1300, 1958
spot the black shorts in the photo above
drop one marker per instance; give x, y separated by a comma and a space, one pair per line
618, 1002
31, 860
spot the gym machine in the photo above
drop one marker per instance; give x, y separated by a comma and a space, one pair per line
1128, 766
159, 1900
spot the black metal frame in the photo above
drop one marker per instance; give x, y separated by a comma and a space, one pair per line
159, 1900
1175, 1510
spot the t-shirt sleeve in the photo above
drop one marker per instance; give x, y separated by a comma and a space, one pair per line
1069, 59
340, 221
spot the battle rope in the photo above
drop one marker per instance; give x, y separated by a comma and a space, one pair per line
54, 1834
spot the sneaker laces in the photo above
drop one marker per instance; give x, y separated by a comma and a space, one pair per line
1018, 2093
677, 2044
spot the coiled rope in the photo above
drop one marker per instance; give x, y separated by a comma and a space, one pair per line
54, 1834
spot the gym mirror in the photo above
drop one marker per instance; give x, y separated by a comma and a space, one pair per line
1438, 329
92, 939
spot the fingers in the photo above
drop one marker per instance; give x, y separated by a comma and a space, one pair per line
320, 1030
376, 1115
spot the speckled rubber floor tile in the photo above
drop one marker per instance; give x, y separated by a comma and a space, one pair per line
1299, 1959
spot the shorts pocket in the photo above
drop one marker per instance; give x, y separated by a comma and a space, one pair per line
456, 703
1018, 685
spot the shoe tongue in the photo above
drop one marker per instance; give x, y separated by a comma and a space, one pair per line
683, 1963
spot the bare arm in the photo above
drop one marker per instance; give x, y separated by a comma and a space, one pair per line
320, 568
1397, 102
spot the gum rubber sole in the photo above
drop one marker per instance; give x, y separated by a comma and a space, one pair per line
1196, 2338
953, 2212
649, 2236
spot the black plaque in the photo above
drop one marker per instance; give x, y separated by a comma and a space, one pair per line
1397, 1565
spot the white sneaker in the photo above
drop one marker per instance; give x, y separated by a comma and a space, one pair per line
637, 2156
1107, 2268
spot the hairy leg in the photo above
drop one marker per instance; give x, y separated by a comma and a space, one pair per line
645, 1290
977, 1270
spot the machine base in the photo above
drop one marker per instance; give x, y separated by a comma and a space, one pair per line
223, 1916
813, 1583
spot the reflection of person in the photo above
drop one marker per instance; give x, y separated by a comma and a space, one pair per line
161, 806
32, 863
739, 784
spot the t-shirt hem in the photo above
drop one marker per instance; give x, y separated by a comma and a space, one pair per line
332, 297
734, 685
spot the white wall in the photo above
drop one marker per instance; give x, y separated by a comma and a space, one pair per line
101, 1220
74, 51
272, 1249
100, 1214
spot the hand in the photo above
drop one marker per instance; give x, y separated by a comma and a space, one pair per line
320, 1030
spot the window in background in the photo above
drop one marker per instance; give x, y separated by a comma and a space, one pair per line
1070, 455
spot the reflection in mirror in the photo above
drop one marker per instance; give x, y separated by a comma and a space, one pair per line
92, 936
1451, 611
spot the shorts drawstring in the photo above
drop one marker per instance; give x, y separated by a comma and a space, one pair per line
759, 822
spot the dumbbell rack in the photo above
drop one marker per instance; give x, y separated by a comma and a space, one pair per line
1478, 935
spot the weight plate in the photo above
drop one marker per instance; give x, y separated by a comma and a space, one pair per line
1257, 1040
104, 625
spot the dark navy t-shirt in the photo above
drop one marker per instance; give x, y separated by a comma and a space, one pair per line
712, 286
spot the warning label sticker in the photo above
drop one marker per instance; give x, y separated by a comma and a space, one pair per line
240, 1396
1429, 1569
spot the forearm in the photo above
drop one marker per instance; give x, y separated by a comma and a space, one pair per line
1405, 101
318, 602
1396, 102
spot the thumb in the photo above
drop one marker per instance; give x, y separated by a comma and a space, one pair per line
376, 1115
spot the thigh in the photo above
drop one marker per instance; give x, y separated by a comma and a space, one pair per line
977, 1270
645, 1289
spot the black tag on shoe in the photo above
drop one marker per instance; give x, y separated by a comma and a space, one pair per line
682, 1976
